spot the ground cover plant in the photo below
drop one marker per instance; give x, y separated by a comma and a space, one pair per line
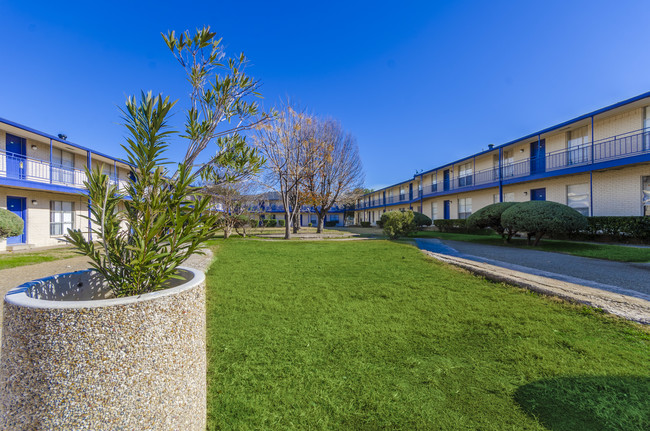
375, 335
13, 260
596, 250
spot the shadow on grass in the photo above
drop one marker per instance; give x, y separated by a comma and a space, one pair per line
588, 403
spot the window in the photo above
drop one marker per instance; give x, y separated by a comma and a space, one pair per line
334, 217
464, 208
646, 196
495, 199
402, 195
61, 217
434, 184
434, 211
577, 197
62, 166
577, 143
465, 175
508, 163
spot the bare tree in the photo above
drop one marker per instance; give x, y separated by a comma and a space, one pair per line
284, 144
334, 169
237, 204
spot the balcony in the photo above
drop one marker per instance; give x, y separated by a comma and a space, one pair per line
613, 150
31, 170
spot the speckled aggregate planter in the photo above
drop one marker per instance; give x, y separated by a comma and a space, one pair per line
72, 362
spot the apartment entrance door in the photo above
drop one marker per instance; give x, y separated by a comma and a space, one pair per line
16, 155
538, 194
18, 207
445, 180
447, 213
538, 156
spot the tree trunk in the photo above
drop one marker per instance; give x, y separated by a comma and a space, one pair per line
226, 232
295, 222
321, 220
537, 238
287, 225
529, 236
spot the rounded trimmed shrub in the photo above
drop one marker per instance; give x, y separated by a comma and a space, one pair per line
10, 224
538, 218
398, 223
490, 216
281, 223
421, 219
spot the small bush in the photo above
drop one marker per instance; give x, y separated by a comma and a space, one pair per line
421, 219
270, 222
490, 216
10, 224
399, 223
363, 224
309, 225
281, 223
451, 225
539, 218
331, 223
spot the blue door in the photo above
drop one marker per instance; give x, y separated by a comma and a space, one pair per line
538, 195
18, 206
16, 155
447, 212
384, 197
538, 156
445, 180
411, 191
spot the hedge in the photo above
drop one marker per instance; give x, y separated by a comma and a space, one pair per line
421, 219
451, 225
490, 216
365, 224
620, 228
10, 224
331, 223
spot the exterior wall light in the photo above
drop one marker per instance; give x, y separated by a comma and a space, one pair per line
522, 150
34, 202
525, 193
34, 147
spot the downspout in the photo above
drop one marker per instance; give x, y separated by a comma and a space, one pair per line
50, 161
591, 172
421, 190
90, 232
500, 175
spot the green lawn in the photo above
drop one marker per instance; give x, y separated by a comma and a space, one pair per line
375, 335
600, 251
12, 260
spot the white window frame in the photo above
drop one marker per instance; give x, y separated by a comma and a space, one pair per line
577, 143
577, 197
464, 208
61, 217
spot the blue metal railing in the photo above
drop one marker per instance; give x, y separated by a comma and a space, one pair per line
17, 166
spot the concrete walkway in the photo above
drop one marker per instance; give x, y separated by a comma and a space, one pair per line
632, 279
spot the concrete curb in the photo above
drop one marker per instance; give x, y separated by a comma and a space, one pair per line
628, 307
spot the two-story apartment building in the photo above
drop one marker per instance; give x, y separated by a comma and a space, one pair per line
597, 163
41, 180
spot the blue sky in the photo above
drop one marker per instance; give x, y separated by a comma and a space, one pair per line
419, 84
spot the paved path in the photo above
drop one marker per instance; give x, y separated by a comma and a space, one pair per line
626, 278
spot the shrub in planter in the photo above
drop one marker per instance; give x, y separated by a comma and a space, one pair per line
490, 217
123, 346
10, 224
363, 224
539, 218
399, 223
421, 220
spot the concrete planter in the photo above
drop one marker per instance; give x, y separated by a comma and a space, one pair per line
74, 360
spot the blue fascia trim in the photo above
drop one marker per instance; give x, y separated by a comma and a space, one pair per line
35, 185
56, 138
